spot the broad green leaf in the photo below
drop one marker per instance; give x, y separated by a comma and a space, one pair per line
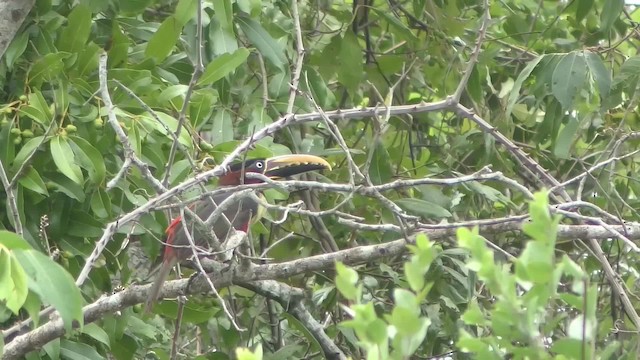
90, 158
31, 180
186, 10
380, 170
75, 35
101, 204
583, 8
222, 36
19, 291
135, 7
610, 13
47, 67
14, 293
13, 241
82, 224
64, 159
26, 151
78, 351
568, 78
564, 142
630, 69
201, 106
38, 109
346, 279
119, 46
423, 208
222, 127
164, 39
97, 333
16, 48
601, 76
87, 60
403, 31
53, 284
517, 85
222, 66
171, 92
350, 68
67, 186
272, 50
168, 122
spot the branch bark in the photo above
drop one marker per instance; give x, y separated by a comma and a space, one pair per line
12, 15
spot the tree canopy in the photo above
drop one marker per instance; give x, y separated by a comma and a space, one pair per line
481, 203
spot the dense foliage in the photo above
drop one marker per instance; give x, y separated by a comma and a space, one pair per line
433, 235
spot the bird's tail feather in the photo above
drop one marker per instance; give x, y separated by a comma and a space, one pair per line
154, 290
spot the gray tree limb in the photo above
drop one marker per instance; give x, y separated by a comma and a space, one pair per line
12, 14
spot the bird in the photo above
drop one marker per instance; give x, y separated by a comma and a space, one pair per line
240, 214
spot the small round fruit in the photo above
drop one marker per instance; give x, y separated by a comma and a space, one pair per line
23, 98
26, 133
71, 128
15, 131
17, 140
98, 123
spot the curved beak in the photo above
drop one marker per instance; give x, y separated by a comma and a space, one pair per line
279, 167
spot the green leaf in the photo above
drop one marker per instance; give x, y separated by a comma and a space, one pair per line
583, 9
272, 50
403, 31
601, 76
164, 39
423, 208
97, 333
350, 68
134, 7
87, 60
90, 158
119, 46
38, 109
31, 180
13, 241
562, 148
222, 37
346, 279
64, 159
629, 70
380, 170
186, 10
171, 92
568, 78
13, 283
25, 152
75, 35
68, 187
201, 106
222, 127
78, 351
517, 85
16, 49
47, 67
223, 65
53, 284
101, 204
610, 13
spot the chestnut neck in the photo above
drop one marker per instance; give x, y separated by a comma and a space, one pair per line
234, 178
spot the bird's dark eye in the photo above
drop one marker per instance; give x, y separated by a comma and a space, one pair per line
259, 164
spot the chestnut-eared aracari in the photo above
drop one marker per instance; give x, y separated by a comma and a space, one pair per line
241, 214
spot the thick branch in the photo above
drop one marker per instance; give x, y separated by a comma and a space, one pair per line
12, 14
